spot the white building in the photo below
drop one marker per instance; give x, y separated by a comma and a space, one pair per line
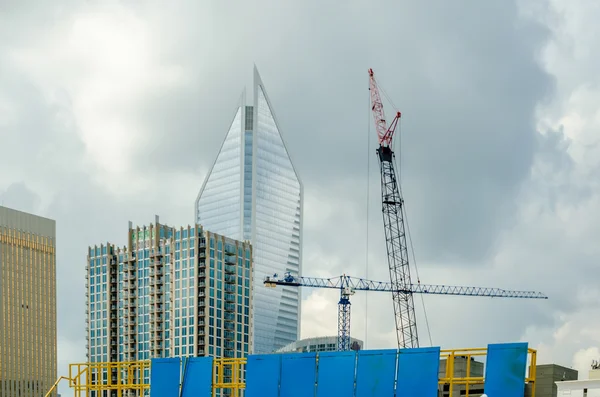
581, 388
318, 344
253, 192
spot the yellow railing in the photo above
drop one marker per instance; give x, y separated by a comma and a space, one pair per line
228, 373
467, 356
111, 376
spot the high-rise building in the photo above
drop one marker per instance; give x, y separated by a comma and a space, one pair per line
253, 192
27, 304
169, 292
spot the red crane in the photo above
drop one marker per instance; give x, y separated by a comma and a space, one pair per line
393, 221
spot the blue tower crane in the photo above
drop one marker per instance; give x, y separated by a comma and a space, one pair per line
349, 285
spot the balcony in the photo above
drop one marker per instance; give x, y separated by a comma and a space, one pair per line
201, 303
229, 269
229, 326
229, 345
229, 335
228, 354
229, 317
229, 298
229, 279
229, 307
202, 274
230, 288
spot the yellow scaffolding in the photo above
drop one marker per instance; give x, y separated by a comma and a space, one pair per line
127, 378
228, 373
449, 379
124, 377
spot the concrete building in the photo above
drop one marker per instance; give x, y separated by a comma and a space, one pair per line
27, 304
548, 374
169, 292
253, 192
318, 344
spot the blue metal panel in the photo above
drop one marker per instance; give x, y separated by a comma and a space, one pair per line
336, 374
298, 375
376, 372
506, 364
197, 377
164, 377
418, 371
263, 372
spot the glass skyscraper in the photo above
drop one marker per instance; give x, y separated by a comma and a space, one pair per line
170, 292
253, 192
27, 304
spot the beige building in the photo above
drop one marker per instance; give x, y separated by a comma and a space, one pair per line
27, 304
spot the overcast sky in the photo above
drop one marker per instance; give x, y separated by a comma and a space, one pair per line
113, 111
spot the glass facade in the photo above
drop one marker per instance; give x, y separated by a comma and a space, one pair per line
270, 201
169, 293
27, 304
222, 201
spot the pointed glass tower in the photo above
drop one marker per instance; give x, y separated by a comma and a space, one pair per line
254, 193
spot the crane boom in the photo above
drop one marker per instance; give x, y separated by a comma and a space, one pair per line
360, 284
393, 222
349, 285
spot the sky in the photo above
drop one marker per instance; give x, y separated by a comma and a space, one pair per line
112, 111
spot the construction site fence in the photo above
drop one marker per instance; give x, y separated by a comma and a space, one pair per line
506, 370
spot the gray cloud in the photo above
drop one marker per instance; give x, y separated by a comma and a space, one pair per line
484, 191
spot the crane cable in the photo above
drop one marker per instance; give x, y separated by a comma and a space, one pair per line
368, 190
412, 249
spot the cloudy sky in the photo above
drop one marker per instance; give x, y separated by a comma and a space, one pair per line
113, 111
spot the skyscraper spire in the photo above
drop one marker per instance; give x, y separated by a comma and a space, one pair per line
253, 192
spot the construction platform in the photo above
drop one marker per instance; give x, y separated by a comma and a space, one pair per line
500, 370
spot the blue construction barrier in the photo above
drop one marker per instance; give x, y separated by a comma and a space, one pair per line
404, 373
505, 370
164, 377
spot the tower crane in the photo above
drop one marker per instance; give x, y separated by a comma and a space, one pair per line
349, 285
